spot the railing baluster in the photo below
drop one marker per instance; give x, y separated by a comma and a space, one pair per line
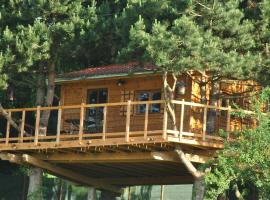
181, 127
22, 126
104, 123
204, 122
37, 125
81, 122
128, 121
165, 123
146, 120
228, 124
59, 118
8, 128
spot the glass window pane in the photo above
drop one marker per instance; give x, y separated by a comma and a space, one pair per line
103, 94
155, 108
143, 96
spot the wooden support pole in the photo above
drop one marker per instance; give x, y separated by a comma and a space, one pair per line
128, 121
22, 126
37, 125
59, 117
228, 124
204, 122
165, 123
182, 119
81, 122
162, 192
104, 123
8, 128
146, 120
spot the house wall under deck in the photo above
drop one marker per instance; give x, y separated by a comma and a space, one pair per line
74, 93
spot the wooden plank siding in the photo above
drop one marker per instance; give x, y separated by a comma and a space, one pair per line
76, 93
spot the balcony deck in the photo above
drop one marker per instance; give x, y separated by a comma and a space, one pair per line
133, 154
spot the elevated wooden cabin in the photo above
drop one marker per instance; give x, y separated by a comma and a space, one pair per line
110, 128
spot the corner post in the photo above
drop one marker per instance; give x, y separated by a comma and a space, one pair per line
8, 128
228, 125
181, 127
81, 122
37, 125
128, 121
165, 123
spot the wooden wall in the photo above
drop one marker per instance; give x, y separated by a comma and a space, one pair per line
75, 93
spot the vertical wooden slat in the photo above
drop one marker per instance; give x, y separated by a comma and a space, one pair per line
37, 125
228, 122
8, 128
146, 120
59, 119
104, 123
128, 121
204, 122
81, 122
22, 126
165, 123
181, 127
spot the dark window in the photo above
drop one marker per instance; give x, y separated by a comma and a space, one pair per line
148, 96
94, 116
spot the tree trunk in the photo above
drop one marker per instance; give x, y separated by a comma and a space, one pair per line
212, 114
91, 194
35, 179
35, 182
45, 115
198, 188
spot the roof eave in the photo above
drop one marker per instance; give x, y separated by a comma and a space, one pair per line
104, 76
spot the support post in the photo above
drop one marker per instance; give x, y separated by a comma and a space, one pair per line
81, 122
58, 125
22, 126
37, 125
8, 128
204, 122
228, 124
104, 123
182, 119
146, 120
162, 192
128, 121
165, 123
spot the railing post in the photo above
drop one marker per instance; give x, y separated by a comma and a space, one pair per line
128, 121
165, 122
204, 122
37, 125
146, 120
181, 127
81, 122
22, 126
59, 118
228, 124
104, 123
8, 128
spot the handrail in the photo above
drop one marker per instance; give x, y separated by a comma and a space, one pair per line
145, 130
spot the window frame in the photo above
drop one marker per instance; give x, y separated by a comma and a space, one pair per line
151, 92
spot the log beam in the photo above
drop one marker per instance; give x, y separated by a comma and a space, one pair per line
121, 157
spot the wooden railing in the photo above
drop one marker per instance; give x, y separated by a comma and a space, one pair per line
115, 128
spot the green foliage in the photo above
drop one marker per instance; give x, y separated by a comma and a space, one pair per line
245, 160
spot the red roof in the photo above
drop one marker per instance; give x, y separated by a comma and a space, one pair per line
124, 69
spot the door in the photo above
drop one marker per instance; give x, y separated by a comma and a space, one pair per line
94, 116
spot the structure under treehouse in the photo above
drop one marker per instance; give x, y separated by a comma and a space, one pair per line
111, 128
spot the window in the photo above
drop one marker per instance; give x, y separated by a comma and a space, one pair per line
148, 96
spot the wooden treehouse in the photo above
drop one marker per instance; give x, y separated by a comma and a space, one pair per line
110, 128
